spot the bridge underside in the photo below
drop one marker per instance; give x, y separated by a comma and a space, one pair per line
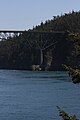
6, 34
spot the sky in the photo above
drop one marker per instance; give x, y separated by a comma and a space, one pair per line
24, 14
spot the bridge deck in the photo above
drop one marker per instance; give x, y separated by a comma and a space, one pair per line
22, 31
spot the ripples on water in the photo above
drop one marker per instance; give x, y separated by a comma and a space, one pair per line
28, 95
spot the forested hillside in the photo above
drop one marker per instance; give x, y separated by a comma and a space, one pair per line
39, 47
67, 22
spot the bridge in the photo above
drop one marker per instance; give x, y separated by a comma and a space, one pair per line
4, 34
45, 39
29, 31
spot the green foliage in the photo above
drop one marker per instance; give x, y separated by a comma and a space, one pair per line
67, 22
75, 54
65, 115
74, 73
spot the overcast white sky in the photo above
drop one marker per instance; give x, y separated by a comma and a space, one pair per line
24, 14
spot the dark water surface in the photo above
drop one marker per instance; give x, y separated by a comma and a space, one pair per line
27, 95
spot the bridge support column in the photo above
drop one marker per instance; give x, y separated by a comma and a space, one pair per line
41, 56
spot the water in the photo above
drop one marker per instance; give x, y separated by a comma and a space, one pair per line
28, 95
